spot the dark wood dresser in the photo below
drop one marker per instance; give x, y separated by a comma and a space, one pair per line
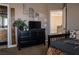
31, 37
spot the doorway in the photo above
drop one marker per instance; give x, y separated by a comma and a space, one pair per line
12, 27
56, 21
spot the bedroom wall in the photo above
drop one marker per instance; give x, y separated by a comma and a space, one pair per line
73, 16
55, 6
18, 10
22, 11
42, 10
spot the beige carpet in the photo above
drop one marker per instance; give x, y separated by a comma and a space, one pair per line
34, 50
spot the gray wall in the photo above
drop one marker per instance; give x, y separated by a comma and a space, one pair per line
73, 16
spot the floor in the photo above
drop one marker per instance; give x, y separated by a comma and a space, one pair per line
3, 46
34, 50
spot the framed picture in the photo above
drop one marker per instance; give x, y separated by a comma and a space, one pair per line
31, 12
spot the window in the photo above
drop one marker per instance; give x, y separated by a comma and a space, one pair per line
0, 21
3, 17
3, 22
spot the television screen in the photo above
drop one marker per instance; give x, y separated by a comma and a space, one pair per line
34, 24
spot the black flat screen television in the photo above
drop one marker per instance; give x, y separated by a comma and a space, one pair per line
34, 24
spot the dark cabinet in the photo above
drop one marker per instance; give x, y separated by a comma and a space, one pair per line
31, 37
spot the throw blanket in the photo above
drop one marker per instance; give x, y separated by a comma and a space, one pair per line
70, 47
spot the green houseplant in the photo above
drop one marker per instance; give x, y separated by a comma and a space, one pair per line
19, 24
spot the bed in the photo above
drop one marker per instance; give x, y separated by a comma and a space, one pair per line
65, 46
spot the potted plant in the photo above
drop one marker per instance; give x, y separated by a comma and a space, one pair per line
19, 24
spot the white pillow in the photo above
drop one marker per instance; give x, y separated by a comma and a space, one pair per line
72, 34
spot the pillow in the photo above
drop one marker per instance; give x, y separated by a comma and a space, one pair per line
72, 34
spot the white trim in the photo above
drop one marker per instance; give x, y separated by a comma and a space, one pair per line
9, 27
11, 46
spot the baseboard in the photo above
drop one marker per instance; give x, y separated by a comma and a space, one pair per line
11, 46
